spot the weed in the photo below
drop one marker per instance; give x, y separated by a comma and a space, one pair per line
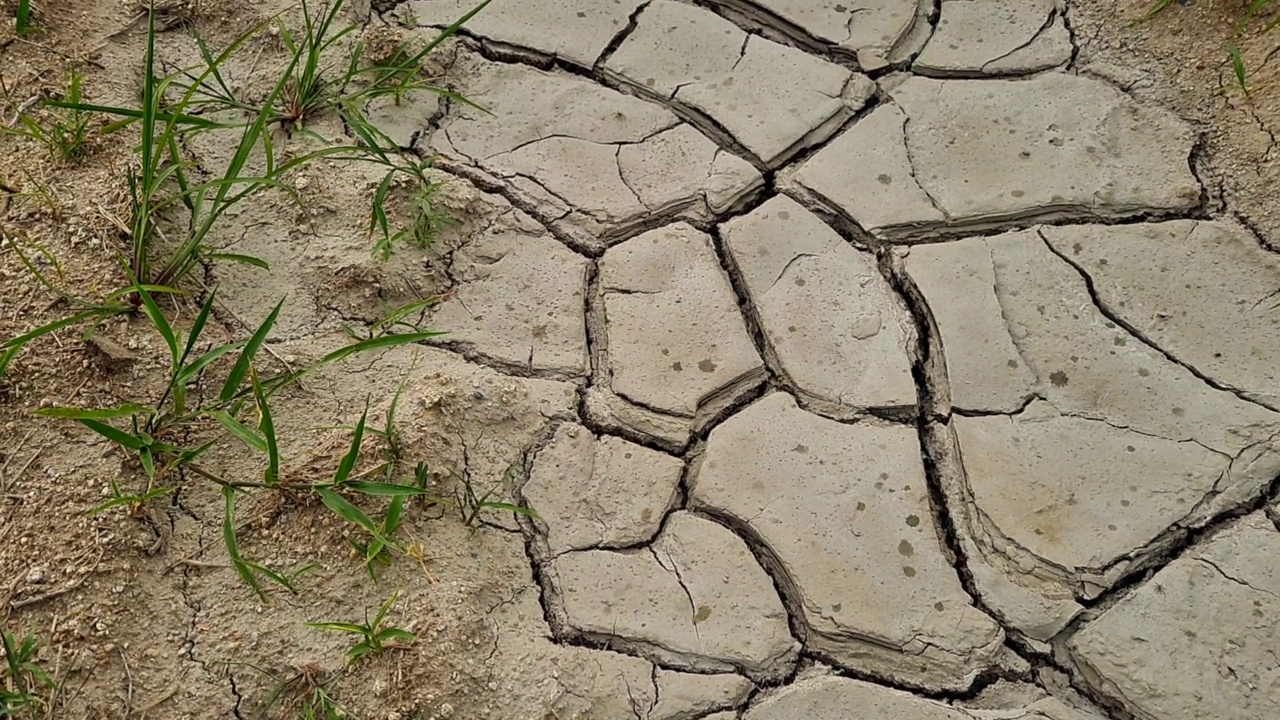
470, 505
66, 133
154, 434
22, 680
376, 636
22, 19
1253, 11
165, 193
304, 695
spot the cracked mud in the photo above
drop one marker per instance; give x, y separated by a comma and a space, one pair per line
855, 427
851, 355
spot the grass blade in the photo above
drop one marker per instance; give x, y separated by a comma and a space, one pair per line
384, 489
56, 325
338, 627
115, 434
267, 426
73, 413
197, 327
162, 326
243, 259
188, 373
241, 368
349, 460
243, 432
23, 22
1237, 65
233, 546
378, 343
352, 514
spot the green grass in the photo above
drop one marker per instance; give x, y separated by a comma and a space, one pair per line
155, 434
174, 211
65, 132
375, 635
22, 18
25, 687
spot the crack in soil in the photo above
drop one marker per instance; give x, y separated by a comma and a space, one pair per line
1137, 334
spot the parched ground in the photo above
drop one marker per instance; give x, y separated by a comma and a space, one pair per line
881, 359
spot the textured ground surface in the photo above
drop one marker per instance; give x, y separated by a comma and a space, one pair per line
915, 355
862, 359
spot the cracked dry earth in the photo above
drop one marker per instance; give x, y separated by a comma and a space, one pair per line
916, 378
861, 359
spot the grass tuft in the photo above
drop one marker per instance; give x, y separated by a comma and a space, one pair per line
375, 635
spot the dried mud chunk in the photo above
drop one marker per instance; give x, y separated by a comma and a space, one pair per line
682, 696
676, 336
985, 369
696, 599
1198, 639
1035, 496
773, 99
1203, 291
872, 29
853, 354
891, 197
599, 492
1049, 482
831, 698
519, 300
845, 510
996, 36
1049, 146
571, 29
558, 139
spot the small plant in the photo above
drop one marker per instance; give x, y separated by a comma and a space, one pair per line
376, 636
22, 19
154, 435
304, 695
66, 133
167, 197
22, 680
470, 505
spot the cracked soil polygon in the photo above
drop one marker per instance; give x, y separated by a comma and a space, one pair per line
876, 32
1197, 641
831, 698
569, 29
682, 696
996, 37
853, 353
991, 151
558, 140
599, 492
844, 512
519, 299
773, 99
695, 599
677, 342
1037, 490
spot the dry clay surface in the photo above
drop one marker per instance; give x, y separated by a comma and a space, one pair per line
860, 359
847, 407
